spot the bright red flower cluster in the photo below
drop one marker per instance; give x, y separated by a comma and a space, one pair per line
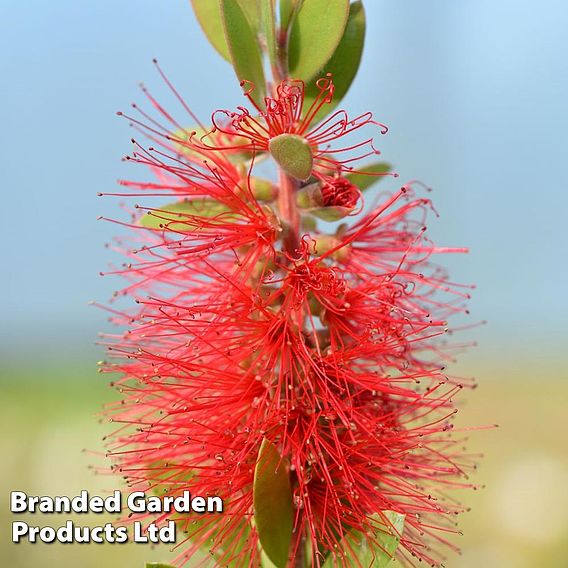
332, 349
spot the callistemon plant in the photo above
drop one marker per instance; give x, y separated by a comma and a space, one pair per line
287, 344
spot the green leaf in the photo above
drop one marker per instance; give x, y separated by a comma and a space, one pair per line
272, 499
251, 10
364, 181
316, 31
208, 13
268, 28
243, 47
265, 561
388, 536
158, 565
377, 551
310, 196
180, 216
293, 154
344, 63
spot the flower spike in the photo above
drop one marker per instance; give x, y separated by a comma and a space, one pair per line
293, 367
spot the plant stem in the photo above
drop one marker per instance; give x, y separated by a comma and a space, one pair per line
288, 186
288, 211
290, 216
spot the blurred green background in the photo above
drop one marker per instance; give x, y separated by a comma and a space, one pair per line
475, 94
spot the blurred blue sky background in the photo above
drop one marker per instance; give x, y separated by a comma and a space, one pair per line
474, 92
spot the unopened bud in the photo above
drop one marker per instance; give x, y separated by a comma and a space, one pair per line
263, 189
339, 198
329, 200
325, 243
293, 154
310, 196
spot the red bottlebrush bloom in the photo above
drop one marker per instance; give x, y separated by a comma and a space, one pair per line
333, 351
285, 114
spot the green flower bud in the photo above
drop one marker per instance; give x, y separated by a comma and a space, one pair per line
293, 154
325, 243
310, 196
263, 189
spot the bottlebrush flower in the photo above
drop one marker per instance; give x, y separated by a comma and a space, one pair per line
333, 350
284, 120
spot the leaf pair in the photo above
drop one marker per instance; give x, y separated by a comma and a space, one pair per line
324, 37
